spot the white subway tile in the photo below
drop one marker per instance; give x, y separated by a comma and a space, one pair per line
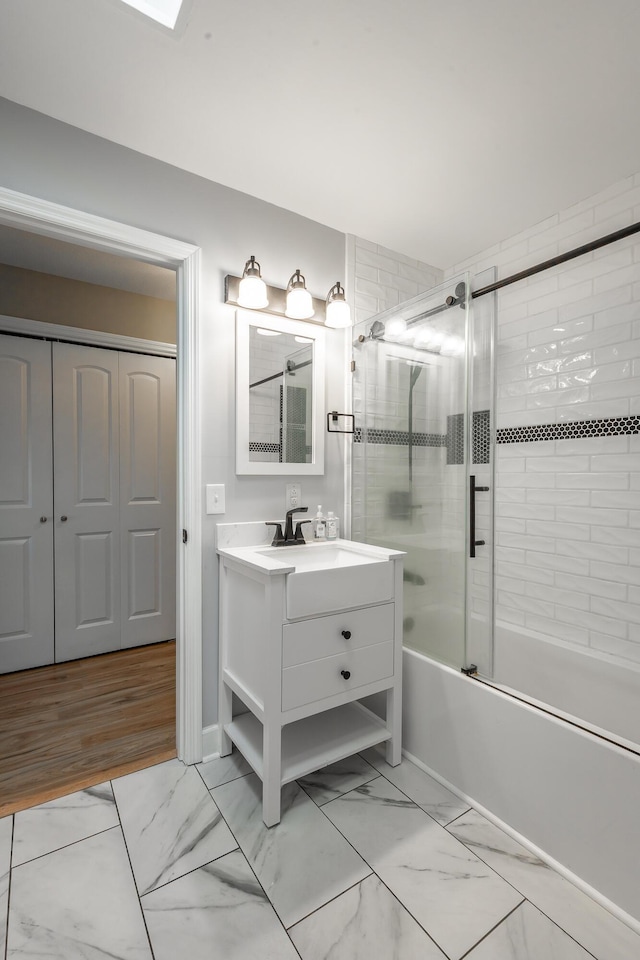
567, 598
621, 499
629, 612
568, 564
557, 464
618, 351
617, 536
533, 511
592, 621
616, 316
528, 542
595, 411
618, 204
629, 463
627, 649
557, 630
508, 615
559, 497
526, 572
536, 481
555, 530
592, 586
593, 515
542, 608
593, 481
615, 571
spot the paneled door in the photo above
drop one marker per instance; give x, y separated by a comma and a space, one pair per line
26, 504
87, 501
147, 498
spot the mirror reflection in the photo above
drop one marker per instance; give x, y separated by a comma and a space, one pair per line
280, 397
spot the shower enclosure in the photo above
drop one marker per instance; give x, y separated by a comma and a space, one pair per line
422, 464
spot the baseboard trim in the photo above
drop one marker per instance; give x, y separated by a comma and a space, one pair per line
573, 878
210, 742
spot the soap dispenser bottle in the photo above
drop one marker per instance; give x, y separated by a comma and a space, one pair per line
332, 526
319, 525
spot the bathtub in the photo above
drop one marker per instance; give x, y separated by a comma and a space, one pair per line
565, 792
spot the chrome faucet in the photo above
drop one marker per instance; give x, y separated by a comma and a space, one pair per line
289, 537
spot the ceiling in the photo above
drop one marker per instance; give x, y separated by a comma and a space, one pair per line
433, 127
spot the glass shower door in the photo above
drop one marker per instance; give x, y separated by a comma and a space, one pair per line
414, 446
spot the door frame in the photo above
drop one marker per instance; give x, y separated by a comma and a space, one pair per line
64, 223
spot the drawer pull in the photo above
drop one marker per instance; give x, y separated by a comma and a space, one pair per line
345, 673
346, 634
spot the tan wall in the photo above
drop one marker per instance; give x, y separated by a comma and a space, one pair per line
41, 296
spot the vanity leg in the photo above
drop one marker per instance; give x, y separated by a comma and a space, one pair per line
271, 765
394, 723
225, 716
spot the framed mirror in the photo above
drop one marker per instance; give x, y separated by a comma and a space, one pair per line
280, 376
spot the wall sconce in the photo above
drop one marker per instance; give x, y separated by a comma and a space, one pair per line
251, 291
338, 310
299, 301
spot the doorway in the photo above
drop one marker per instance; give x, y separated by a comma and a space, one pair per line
52, 220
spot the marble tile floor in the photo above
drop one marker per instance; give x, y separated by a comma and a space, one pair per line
369, 862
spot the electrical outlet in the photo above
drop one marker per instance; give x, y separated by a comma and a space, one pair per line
294, 496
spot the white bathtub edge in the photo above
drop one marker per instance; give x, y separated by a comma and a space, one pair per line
577, 881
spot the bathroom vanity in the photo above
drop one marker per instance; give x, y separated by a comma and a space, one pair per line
306, 632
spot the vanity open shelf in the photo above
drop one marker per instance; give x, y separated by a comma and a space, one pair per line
313, 742
305, 635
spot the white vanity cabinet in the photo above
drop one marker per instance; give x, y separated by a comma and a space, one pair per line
300, 648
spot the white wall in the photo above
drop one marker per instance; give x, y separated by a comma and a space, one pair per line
45, 158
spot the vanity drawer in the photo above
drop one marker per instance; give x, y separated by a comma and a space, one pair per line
318, 679
324, 636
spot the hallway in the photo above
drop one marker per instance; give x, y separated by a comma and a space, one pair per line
71, 725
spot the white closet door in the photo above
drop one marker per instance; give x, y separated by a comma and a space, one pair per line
147, 498
26, 527
87, 495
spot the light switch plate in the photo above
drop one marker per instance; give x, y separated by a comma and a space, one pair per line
214, 498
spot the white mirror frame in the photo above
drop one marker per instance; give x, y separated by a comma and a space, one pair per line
244, 320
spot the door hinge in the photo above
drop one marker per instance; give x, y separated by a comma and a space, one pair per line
185, 536
353, 366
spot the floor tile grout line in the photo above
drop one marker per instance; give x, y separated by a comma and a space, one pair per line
532, 902
243, 854
65, 846
444, 826
5, 952
133, 876
495, 927
375, 874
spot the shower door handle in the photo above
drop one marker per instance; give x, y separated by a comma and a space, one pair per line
473, 489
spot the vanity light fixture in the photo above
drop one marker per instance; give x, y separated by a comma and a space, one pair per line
338, 310
250, 291
299, 302
253, 290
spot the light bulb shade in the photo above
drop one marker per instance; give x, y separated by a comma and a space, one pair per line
338, 313
299, 301
395, 328
252, 291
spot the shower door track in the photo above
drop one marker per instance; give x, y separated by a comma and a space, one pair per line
555, 261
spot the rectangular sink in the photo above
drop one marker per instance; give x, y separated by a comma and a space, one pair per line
332, 576
321, 556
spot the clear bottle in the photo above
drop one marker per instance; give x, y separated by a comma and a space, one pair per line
332, 526
319, 525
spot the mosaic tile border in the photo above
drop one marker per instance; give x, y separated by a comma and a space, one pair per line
572, 430
399, 438
257, 446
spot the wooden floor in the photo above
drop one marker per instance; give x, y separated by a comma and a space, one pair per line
72, 725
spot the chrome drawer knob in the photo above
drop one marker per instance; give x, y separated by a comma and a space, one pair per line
346, 634
345, 673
